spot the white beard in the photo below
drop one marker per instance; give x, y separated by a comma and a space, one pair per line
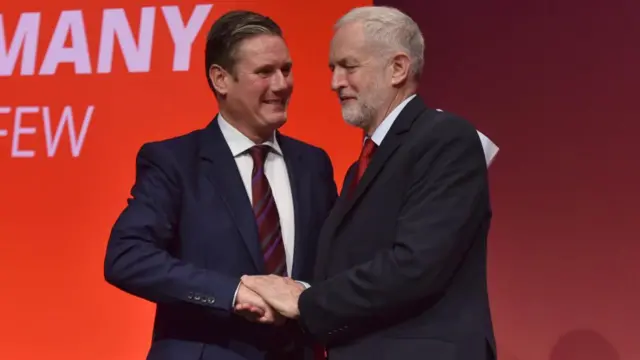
357, 114
362, 112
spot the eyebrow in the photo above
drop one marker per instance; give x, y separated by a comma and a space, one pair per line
343, 61
288, 64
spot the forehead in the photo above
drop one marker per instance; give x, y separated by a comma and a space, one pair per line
262, 49
349, 42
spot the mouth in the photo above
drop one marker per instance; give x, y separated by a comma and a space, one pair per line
345, 99
276, 102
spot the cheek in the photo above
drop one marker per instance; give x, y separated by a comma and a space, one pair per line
362, 89
253, 90
354, 84
361, 83
373, 87
253, 96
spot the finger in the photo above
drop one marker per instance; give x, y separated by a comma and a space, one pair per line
258, 287
254, 277
250, 281
260, 280
256, 310
242, 306
250, 316
245, 307
249, 308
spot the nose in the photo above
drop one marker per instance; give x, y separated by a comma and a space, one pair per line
338, 79
280, 81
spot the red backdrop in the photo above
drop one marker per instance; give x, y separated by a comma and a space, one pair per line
550, 83
62, 186
554, 84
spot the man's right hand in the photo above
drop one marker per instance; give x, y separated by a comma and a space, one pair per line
253, 308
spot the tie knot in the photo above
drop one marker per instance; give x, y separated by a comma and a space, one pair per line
259, 154
368, 149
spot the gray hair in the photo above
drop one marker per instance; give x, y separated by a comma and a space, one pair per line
392, 29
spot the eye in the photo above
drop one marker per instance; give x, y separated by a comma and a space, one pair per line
350, 69
286, 70
264, 72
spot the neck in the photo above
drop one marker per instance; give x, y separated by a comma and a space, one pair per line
400, 96
253, 133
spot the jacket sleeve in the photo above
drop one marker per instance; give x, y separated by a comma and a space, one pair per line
137, 259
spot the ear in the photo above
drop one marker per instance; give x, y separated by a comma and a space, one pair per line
400, 66
219, 78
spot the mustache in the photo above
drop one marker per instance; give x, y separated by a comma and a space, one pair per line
346, 96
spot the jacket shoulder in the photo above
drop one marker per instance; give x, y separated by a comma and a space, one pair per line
175, 155
304, 148
440, 123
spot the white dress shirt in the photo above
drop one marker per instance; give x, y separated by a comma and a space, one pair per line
275, 170
490, 149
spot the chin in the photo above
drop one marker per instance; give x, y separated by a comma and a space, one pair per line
353, 118
275, 121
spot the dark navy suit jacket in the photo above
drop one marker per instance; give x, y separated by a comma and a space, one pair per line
401, 270
188, 234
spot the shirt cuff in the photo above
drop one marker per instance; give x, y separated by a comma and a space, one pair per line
306, 286
233, 302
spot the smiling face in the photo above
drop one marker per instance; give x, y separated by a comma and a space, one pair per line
257, 91
360, 76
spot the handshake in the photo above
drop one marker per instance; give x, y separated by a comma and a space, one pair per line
268, 299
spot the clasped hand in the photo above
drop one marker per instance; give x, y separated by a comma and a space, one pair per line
268, 299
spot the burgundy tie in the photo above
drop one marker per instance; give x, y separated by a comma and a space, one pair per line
366, 154
266, 213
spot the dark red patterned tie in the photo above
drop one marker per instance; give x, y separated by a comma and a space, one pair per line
366, 154
266, 213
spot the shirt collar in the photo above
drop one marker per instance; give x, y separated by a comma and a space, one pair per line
386, 124
239, 143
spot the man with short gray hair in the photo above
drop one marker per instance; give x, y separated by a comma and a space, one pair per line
401, 264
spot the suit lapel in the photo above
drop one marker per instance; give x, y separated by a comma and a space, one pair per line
331, 225
300, 181
384, 151
348, 179
221, 169
346, 203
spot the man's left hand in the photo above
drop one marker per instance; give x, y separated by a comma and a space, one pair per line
279, 292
